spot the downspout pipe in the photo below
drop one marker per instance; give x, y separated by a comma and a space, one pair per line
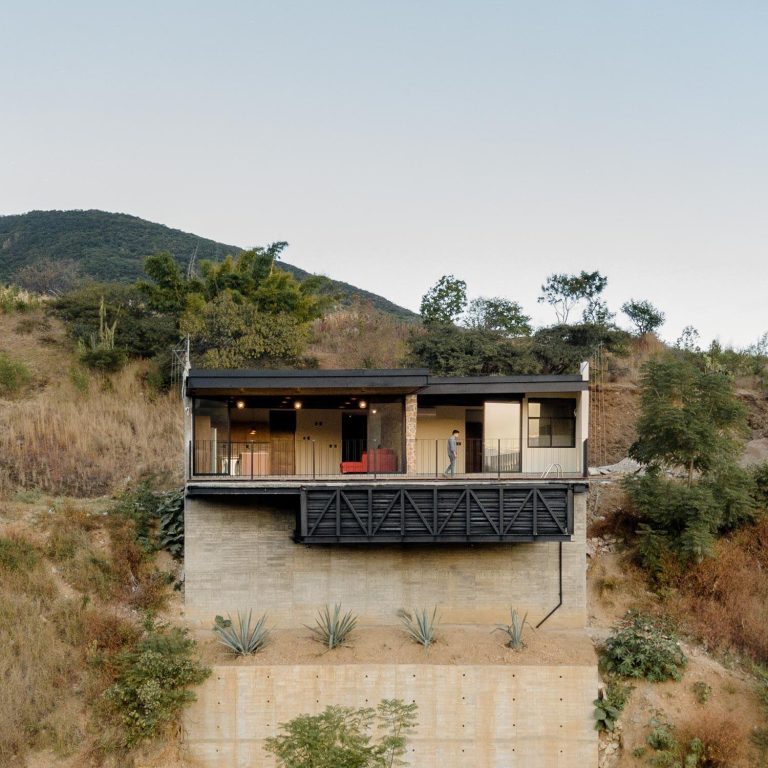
560, 580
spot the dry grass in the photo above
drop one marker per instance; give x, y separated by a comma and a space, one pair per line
74, 433
37, 665
724, 599
73, 585
359, 337
726, 742
65, 441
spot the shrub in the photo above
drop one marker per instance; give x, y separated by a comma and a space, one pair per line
760, 484
104, 360
17, 554
643, 647
420, 626
171, 514
514, 630
340, 737
242, 640
333, 630
701, 691
153, 682
724, 600
14, 299
14, 376
609, 705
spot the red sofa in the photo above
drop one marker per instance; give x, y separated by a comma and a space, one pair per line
382, 460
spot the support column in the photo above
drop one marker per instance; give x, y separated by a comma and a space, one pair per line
411, 414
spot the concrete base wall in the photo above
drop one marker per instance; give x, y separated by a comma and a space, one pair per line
239, 555
478, 716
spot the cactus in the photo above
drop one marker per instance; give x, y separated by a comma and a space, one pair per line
243, 639
333, 630
420, 626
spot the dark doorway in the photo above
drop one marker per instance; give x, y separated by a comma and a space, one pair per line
474, 440
354, 436
282, 436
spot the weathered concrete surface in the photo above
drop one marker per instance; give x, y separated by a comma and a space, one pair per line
469, 716
239, 555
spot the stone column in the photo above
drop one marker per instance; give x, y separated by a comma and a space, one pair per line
411, 413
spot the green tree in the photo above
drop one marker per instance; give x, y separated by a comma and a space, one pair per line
688, 340
227, 334
450, 351
444, 301
561, 348
644, 316
341, 737
563, 292
169, 289
496, 314
689, 417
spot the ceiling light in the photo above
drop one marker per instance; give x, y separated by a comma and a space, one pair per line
252, 432
240, 404
297, 404
363, 404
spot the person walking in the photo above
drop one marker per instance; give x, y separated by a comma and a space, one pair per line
453, 443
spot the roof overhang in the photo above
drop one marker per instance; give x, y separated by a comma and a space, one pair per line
403, 381
321, 382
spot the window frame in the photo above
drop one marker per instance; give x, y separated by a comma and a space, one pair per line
550, 420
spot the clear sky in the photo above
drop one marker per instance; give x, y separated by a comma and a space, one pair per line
392, 142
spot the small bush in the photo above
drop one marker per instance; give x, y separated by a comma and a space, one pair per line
14, 376
609, 705
17, 554
643, 647
333, 629
242, 639
340, 737
104, 360
514, 630
760, 484
171, 514
420, 626
715, 741
153, 683
701, 691
14, 299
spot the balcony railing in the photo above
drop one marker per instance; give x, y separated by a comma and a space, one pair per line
308, 458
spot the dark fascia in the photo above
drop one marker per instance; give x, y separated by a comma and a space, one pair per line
402, 380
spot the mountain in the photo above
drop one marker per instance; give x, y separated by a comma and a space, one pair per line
112, 247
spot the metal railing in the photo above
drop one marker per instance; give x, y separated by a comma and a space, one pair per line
474, 456
312, 458
286, 457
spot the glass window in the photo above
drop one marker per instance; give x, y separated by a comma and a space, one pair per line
211, 437
552, 423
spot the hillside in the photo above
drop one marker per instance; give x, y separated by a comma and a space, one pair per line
112, 247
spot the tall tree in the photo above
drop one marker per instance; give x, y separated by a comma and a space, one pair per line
444, 301
643, 315
689, 417
496, 314
563, 292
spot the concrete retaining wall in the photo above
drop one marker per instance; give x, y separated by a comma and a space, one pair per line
469, 716
239, 554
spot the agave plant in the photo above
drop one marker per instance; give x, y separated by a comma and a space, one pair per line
242, 639
333, 629
420, 626
514, 630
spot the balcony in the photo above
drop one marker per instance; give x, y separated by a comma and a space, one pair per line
353, 461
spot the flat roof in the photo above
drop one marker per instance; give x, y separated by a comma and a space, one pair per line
201, 381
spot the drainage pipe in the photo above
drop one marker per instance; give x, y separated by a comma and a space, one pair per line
560, 579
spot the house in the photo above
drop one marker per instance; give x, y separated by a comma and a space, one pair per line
314, 487
341, 458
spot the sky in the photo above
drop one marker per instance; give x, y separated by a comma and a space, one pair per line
394, 142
